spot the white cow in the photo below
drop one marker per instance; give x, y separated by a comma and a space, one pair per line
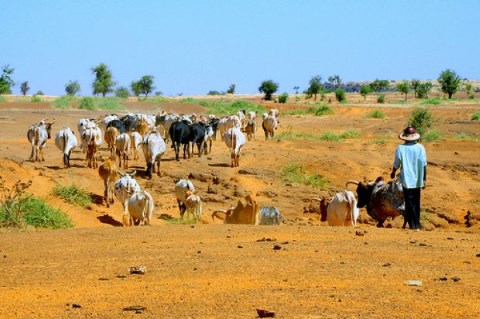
66, 141
193, 205
122, 148
124, 188
82, 126
153, 149
342, 209
37, 135
107, 119
181, 187
227, 122
136, 140
269, 125
209, 135
140, 209
235, 140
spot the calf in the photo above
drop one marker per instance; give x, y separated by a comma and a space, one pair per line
244, 213
193, 205
181, 186
92, 139
108, 173
153, 149
250, 129
235, 140
270, 216
37, 135
140, 209
66, 141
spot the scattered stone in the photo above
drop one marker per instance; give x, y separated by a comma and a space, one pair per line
442, 279
135, 308
423, 244
239, 246
277, 247
449, 238
416, 283
477, 255
386, 265
359, 233
262, 313
121, 276
247, 171
74, 305
137, 270
103, 279
456, 279
266, 239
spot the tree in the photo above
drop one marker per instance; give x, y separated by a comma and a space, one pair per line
335, 80
144, 85
423, 89
364, 91
449, 82
103, 83
403, 87
24, 88
6, 81
315, 86
340, 95
379, 85
268, 87
231, 89
296, 88
136, 89
72, 88
122, 92
414, 85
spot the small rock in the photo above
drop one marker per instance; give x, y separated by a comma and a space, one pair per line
239, 246
262, 313
359, 233
456, 279
442, 279
416, 283
477, 255
135, 308
137, 270
423, 244
277, 247
386, 265
103, 279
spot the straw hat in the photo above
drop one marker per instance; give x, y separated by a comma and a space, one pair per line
409, 134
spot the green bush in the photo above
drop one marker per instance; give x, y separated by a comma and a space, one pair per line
323, 110
2, 98
434, 101
376, 114
110, 104
421, 119
340, 95
283, 98
229, 107
295, 173
475, 117
431, 136
64, 102
36, 98
122, 92
381, 99
73, 195
87, 103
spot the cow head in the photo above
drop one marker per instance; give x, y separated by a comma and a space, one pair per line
364, 191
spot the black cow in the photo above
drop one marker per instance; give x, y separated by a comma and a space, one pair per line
180, 134
130, 122
214, 124
118, 124
197, 136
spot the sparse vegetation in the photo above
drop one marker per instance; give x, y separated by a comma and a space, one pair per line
376, 114
295, 173
36, 99
475, 116
289, 135
72, 194
431, 136
283, 98
87, 103
228, 107
381, 99
434, 101
64, 102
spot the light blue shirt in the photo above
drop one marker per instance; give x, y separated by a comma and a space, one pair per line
412, 159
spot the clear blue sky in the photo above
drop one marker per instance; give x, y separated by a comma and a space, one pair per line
192, 47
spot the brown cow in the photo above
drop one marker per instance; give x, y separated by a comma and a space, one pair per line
248, 213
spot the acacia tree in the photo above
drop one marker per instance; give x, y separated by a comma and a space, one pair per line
414, 85
449, 82
231, 89
6, 81
423, 89
403, 87
315, 86
103, 83
364, 91
268, 87
72, 88
24, 88
143, 86
379, 85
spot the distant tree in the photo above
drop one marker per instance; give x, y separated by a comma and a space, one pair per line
403, 87
158, 93
231, 89
423, 89
340, 95
72, 88
122, 92
335, 80
103, 83
268, 87
364, 91
6, 81
415, 84
296, 88
24, 88
145, 85
468, 88
449, 82
379, 85
213, 93
315, 86
136, 88
39, 93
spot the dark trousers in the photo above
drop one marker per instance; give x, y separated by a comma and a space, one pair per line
412, 207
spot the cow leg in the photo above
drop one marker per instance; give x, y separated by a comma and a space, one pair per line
158, 168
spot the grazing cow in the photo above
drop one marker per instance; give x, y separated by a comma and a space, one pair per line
193, 205
136, 140
37, 135
66, 141
122, 146
180, 134
383, 200
140, 209
250, 129
153, 149
124, 188
244, 213
181, 186
235, 139
341, 210
269, 125
108, 173
197, 137
270, 216
118, 124
110, 137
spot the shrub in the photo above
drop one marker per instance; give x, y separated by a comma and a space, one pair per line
475, 117
73, 195
122, 92
376, 114
330, 137
431, 136
283, 98
381, 99
434, 101
225, 107
349, 134
87, 103
36, 98
2, 98
110, 103
323, 110
64, 102
295, 173
421, 119
340, 95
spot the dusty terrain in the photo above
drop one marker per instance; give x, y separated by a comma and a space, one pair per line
301, 269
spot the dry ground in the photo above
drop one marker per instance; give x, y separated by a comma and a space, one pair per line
302, 269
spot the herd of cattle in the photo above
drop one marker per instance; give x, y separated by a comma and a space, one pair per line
126, 135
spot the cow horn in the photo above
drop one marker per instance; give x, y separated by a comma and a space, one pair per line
215, 214
352, 182
317, 199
